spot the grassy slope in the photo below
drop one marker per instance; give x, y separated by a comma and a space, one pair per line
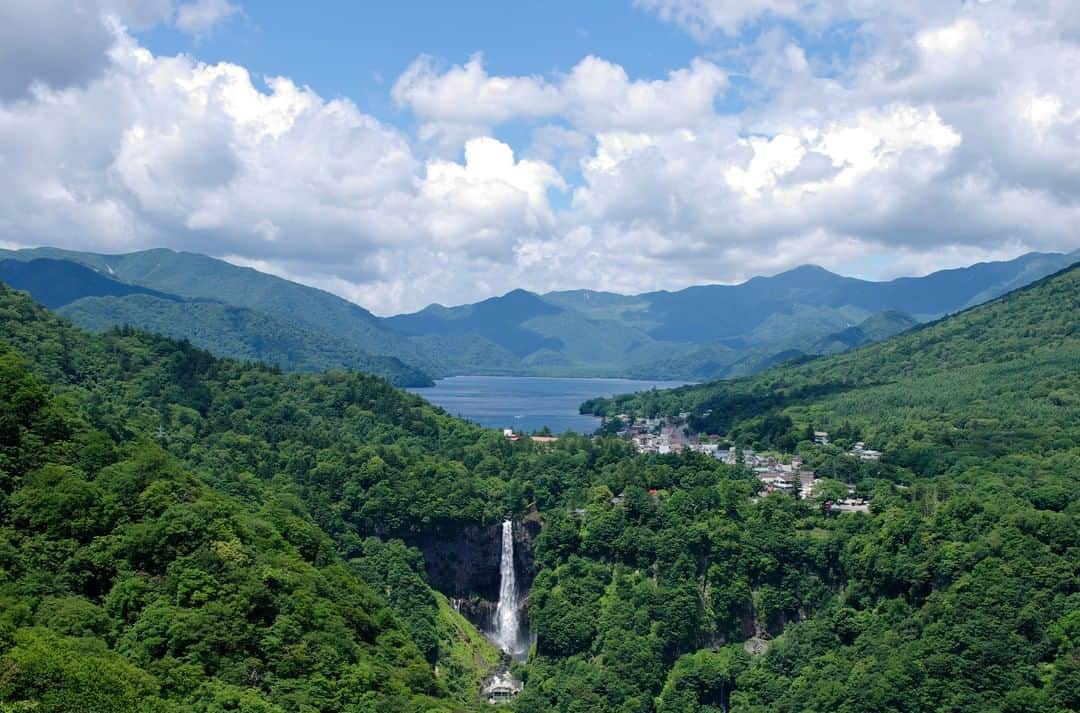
469, 657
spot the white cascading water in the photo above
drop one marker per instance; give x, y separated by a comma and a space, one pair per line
507, 627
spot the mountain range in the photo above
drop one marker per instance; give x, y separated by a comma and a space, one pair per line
184, 533
705, 332
232, 311
698, 333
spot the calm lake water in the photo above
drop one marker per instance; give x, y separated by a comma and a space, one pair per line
528, 403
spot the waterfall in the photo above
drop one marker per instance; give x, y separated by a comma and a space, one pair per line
507, 626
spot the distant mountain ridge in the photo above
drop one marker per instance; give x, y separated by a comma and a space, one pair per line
56, 283
97, 301
709, 331
699, 333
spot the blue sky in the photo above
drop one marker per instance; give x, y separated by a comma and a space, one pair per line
358, 49
416, 152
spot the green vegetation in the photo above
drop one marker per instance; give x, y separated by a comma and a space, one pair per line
135, 579
238, 333
960, 591
180, 532
699, 333
991, 381
96, 301
195, 277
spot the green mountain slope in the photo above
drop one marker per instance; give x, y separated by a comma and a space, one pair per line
133, 579
185, 533
987, 373
710, 331
238, 333
700, 333
97, 301
194, 276
873, 329
55, 283
913, 606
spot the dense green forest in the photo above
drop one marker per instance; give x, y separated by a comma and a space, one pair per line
132, 579
239, 333
181, 532
91, 297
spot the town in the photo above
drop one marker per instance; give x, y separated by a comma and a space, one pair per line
785, 474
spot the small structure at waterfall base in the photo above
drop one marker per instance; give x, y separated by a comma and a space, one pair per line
501, 688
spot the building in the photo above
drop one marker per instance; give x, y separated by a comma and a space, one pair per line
501, 688
860, 451
821, 438
847, 505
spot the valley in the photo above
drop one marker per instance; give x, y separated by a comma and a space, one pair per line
650, 356
325, 540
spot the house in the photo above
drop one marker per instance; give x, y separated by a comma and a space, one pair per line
775, 480
847, 505
860, 451
499, 694
821, 438
501, 688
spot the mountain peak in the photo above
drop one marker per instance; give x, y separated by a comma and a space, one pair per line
803, 276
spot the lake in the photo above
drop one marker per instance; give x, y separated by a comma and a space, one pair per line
528, 403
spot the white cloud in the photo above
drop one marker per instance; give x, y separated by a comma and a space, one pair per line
702, 18
595, 95
55, 44
467, 94
949, 40
169, 151
484, 205
201, 16
928, 145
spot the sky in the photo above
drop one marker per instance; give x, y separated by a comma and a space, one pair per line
407, 153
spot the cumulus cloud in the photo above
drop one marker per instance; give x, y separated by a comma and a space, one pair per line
929, 146
594, 95
60, 43
702, 18
200, 17
480, 205
171, 151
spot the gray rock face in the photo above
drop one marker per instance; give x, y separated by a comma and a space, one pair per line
464, 565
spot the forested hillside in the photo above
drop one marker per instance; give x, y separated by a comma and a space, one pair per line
995, 379
154, 559
239, 333
702, 332
958, 592
95, 300
181, 532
